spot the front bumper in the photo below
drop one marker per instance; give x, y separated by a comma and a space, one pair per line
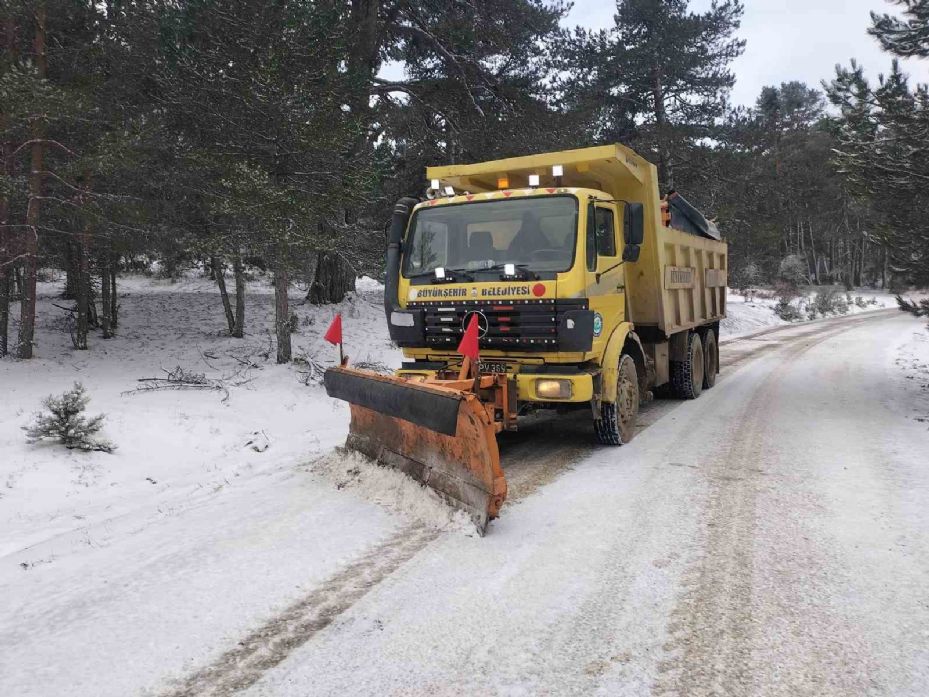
528, 384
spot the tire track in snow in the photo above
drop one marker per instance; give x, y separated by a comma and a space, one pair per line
713, 626
268, 645
533, 457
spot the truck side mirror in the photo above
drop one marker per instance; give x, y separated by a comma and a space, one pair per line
634, 224
631, 253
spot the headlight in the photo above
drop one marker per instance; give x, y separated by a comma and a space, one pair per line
554, 389
402, 319
415, 377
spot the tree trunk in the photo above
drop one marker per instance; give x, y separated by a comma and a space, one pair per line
858, 251
83, 291
332, 278
238, 271
105, 271
282, 315
883, 267
216, 271
6, 258
31, 246
815, 258
665, 167
363, 63
312, 265
6, 236
72, 256
83, 272
114, 305
4, 309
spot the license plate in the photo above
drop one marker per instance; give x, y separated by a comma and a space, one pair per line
492, 367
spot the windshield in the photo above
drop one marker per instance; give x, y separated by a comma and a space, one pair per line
536, 233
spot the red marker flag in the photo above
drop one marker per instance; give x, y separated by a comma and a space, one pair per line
468, 346
334, 333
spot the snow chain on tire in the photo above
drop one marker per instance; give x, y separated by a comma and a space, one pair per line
711, 359
616, 425
687, 375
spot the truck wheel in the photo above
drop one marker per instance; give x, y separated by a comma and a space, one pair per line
712, 359
616, 424
687, 375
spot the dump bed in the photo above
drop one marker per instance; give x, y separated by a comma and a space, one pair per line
679, 281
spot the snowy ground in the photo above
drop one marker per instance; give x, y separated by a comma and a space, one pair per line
128, 573
183, 490
753, 311
172, 445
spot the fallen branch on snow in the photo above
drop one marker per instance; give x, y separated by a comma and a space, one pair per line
180, 379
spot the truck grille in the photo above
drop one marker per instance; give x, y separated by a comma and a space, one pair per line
527, 325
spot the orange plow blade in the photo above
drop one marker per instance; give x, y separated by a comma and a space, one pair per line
440, 436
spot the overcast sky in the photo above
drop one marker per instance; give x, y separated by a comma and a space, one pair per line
788, 40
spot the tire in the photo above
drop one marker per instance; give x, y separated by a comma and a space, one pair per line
711, 359
687, 375
616, 425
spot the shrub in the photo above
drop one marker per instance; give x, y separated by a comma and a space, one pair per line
65, 422
793, 270
785, 291
786, 311
842, 303
747, 277
825, 301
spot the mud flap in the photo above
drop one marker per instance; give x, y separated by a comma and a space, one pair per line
442, 438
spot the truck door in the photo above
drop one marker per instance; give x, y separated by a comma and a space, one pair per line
605, 273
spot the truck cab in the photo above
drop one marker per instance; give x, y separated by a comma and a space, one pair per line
541, 268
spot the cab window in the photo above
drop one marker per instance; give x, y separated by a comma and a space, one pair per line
606, 234
601, 235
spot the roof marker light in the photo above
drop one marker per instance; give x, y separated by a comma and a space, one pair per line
435, 184
533, 180
509, 269
503, 182
440, 273
449, 191
558, 171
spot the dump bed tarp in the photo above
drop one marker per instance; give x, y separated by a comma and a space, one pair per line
686, 218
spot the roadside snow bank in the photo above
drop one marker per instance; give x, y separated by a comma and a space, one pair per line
746, 314
391, 489
912, 362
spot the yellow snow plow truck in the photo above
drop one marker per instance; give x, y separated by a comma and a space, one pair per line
587, 288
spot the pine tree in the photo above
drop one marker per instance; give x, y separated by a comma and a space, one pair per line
883, 153
475, 86
261, 111
669, 69
65, 422
907, 37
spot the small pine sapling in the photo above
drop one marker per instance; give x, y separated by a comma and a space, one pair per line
65, 422
920, 309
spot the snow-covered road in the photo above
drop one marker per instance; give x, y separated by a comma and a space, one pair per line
770, 538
